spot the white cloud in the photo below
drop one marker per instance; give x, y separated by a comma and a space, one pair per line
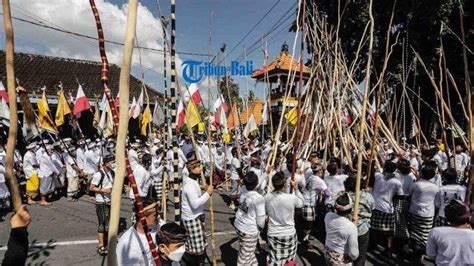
76, 16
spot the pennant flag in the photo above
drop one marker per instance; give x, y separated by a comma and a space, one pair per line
193, 93
414, 128
146, 119
457, 130
3, 92
45, 121
81, 103
62, 110
158, 115
29, 131
4, 112
233, 118
96, 121
180, 115
138, 108
133, 109
265, 113
110, 129
250, 127
220, 102
292, 116
192, 115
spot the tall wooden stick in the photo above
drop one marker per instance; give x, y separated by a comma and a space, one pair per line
121, 153
363, 114
12, 131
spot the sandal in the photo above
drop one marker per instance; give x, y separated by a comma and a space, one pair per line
102, 251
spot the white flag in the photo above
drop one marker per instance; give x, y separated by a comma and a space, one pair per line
250, 127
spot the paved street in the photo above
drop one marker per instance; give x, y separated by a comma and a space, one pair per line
65, 234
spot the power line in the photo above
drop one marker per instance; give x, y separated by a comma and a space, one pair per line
95, 38
256, 24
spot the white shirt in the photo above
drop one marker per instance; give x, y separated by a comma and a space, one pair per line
107, 182
280, 209
406, 181
335, 184
80, 157
132, 157
423, 194
91, 162
47, 166
451, 246
383, 191
133, 249
341, 235
314, 186
262, 178
143, 180
414, 163
252, 205
193, 200
70, 172
28, 161
234, 165
448, 193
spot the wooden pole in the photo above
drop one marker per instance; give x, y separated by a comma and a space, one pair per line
363, 115
121, 153
12, 130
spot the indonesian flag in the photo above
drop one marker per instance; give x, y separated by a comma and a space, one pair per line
192, 93
81, 103
181, 115
133, 109
220, 102
3, 93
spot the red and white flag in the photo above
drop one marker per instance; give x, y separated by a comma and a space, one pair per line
3, 92
81, 103
220, 102
133, 109
192, 93
180, 115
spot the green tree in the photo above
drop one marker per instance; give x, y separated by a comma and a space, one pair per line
230, 90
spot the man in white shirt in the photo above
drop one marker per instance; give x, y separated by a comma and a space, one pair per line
101, 184
449, 191
46, 171
235, 176
334, 181
453, 245
72, 175
141, 172
132, 247
422, 208
157, 170
192, 212
401, 202
341, 234
249, 220
382, 222
30, 168
280, 207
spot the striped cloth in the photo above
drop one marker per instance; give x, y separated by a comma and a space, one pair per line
440, 221
335, 258
248, 243
196, 241
419, 228
401, 224
282, 249
308, 213
382, 221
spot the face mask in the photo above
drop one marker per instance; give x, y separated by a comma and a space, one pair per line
177, 254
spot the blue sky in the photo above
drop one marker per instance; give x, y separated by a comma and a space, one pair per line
232, 19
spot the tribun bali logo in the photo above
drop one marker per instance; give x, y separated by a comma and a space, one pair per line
194, 71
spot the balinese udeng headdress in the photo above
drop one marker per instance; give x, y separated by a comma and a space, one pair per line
343, 207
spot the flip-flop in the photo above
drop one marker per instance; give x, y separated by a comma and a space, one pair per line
102, 251
46, 204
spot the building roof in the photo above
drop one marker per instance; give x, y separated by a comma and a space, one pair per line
35, 71
255, 108
280, 65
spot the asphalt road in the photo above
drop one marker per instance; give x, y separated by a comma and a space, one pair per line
65, 234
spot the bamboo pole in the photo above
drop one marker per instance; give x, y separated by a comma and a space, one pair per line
12, 130
363, 118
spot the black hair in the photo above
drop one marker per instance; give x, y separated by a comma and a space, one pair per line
332, 168
389, 167
146, 158
428, 171
336, 160
403, 165
279, 180
171, 233
251, 181
351, 182
450, 175
343, 200
455, 212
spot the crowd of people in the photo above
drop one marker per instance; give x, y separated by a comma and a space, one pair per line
410, 203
